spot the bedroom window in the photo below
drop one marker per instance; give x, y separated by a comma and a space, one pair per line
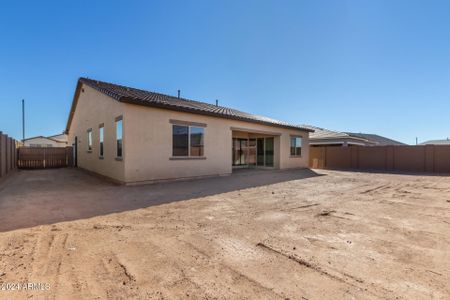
101, 139
89, 140
296, 145
119, 138
196, 144
187, 141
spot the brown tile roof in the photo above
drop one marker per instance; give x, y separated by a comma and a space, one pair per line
376, 139
437, 142
321, 135
45, 137
142, 97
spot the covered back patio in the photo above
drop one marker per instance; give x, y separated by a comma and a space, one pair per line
255, 149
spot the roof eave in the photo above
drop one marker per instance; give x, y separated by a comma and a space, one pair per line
74, 105
340, 138
35, 137
135, 101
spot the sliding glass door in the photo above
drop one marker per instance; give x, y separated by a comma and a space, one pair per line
251, 158
260, 152
253, 152
268, 152
244, 152
239, 152
265, 152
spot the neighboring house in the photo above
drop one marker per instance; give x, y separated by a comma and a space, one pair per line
136, 136
375, 139
59, 140
326, 137
437, 142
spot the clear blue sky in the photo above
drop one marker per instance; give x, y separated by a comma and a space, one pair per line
365, 66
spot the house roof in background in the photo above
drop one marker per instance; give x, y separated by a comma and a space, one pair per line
377, 139
141, 97
60, 137
44, 137
327, 136
59, 134
324, 135
437, 142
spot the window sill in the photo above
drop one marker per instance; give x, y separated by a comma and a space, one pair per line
89, 151
295, 156
119, 158
100, 157
187, 158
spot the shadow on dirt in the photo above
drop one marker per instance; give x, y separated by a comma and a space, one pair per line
39, 197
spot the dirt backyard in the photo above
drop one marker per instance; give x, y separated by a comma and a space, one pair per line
253, 235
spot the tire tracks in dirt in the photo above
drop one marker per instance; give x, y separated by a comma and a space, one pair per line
212, 265
235, 272
347, 279
46, 258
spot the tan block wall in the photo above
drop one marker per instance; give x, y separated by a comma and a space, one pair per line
94, 108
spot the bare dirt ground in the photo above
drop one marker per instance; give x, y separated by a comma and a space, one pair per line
254, 235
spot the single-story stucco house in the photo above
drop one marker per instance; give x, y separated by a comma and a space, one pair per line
53, 141
135, 136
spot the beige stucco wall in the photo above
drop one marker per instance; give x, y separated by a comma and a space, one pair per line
149, 145
94, 108
288, 162
147, 141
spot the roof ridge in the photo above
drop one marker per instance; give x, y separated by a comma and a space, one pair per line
322, 128
372, 137
55, 134
138, 96
44, 137
157, 93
